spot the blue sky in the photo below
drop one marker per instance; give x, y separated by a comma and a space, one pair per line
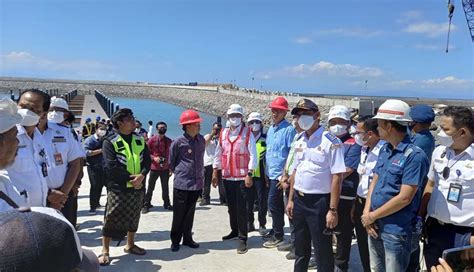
301, 46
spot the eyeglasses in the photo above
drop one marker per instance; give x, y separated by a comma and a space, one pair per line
330, 232
254, 122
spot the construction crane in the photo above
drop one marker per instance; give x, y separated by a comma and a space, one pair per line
468, 6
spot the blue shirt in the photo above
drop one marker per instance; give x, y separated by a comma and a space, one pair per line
351, 160
279, 138
90, 144
187, 162
405, 164
424, 140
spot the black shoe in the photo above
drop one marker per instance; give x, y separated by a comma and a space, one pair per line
242, 248
255, 208
230, 236
145, 210
291, 255
312, 265
285, 247
250, 227
174, 247
262, 230
92, 211
204, 202
268, 235
168, 207
191, 244
150, 206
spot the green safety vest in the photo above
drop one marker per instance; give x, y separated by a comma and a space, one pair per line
130, 158
261, 150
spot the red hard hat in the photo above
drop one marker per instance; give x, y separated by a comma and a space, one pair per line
279, 103
189, 117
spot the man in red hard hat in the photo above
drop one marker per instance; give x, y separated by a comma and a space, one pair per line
187, 164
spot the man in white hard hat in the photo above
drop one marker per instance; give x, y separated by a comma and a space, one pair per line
236, 157
64, 155
29, 170
394, 196
9, 118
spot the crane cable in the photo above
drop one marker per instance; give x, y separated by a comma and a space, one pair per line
450, 16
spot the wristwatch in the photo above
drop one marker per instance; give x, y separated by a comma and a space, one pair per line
333, 210
249, 174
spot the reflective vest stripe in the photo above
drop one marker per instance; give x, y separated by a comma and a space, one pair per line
261, 150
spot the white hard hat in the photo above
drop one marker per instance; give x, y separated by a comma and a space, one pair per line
254, 116
394, 110
59, 103
9, 116
235, 108
339, 111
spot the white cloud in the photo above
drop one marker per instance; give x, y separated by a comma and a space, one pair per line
410, 16
350, 32
442, 83
428, 29
303, 40
449, 80
26, 62
323, 68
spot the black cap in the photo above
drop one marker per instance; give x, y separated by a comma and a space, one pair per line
305, 104
37, 241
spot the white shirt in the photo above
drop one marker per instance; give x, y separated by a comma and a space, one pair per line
10, 190
61, 148
26, 171
233, 134
151, 131
462, 173
210, 150
366, 166
317, 159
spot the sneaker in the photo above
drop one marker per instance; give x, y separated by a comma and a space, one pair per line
204, 202
285, 247
250, 227
145, 210
230, 236
312, 264
273, 242
92, 211
242, 248
168, 207
199, 199
290, 255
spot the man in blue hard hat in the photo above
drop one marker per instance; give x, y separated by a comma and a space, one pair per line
422, 116
88, 129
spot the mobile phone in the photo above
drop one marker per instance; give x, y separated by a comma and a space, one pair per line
460, 258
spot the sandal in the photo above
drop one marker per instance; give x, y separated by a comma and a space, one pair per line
105, 259
135, 250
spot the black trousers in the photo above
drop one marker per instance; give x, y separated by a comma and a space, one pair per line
184, 207
361, 233
164, 176
70, 209
206, 191
236, 194
309, 217
344, 239
259, 194
97, 180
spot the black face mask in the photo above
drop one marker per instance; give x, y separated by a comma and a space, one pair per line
162, 131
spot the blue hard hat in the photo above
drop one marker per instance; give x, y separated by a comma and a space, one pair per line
422, 113
97, 118
88, 119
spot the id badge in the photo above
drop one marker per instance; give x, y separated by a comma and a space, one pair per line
454, 193
44, 169
58, 158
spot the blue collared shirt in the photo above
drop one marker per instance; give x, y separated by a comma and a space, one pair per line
406, 164
279, 139
424, 140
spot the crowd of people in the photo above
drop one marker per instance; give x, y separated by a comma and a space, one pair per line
381, 176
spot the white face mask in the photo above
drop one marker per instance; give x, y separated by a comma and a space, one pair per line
338, 130
235, 121
256, 127
101, 132
359, 139
305, 122
445, 139
56, 116
30, 118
